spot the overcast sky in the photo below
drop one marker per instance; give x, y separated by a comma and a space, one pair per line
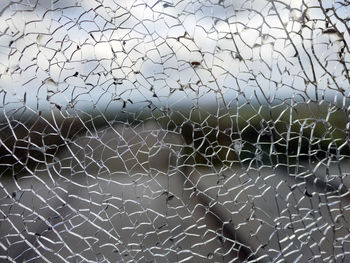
84, 54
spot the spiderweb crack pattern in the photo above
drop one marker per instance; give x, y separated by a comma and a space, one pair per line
174, 131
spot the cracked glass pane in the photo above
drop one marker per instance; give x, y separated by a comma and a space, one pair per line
174, 131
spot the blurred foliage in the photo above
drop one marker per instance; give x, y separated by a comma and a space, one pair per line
248, 134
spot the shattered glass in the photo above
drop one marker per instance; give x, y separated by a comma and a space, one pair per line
174, 131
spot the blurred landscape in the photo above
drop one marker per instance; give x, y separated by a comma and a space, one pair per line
177, 131
280, 134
